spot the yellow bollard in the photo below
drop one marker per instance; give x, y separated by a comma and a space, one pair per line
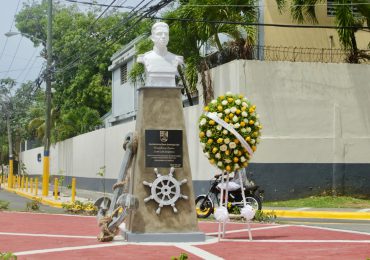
1, 179
14, 184
55, 188
11, 175
36, 185
22, 183
19, 182
73, 190
31, 184
26, 184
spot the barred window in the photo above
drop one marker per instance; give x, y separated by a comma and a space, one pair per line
123, 70
331, 5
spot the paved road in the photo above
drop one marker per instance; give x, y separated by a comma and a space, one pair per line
18, 203
340, 224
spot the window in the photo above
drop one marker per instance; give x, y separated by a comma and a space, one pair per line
123, 70
332, 4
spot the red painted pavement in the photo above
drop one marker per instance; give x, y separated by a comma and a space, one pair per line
12, 222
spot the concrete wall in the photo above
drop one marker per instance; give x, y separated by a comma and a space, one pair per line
316, 133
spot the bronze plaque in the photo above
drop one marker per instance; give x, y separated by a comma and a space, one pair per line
163, 148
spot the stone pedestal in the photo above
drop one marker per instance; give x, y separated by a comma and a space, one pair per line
161, 113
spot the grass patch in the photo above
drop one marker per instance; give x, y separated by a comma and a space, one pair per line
4, 204
321, 202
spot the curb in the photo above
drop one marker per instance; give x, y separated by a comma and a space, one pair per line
45, 201
320, 214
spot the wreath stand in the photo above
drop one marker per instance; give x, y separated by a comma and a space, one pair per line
221, 213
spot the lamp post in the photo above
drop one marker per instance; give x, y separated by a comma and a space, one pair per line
46, 164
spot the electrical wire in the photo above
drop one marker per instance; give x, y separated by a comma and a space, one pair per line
102, 13
27, 64
260, 24
15, 54
11, 26
97, 4
133, 13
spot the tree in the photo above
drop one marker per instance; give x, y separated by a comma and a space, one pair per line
304, 11
188, 37
82, 47
6, 88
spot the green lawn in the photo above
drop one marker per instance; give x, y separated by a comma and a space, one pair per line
322, 202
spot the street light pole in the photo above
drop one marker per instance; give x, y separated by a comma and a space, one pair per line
46, 163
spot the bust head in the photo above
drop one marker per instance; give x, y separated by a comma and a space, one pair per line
160, 35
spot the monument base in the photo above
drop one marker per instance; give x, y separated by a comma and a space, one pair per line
164, 237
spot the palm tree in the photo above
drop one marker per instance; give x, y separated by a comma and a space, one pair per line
304, 11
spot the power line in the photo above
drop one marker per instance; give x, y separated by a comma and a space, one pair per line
260, 24
11, 26
123, 22
97, 4
297, 5
102, 13
15, 54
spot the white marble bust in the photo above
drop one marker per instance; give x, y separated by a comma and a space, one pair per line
160, 64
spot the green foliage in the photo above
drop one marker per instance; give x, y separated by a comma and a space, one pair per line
262, 216
7, 256
188, 38
78, 207
183, 256
304, 11
4, 204
33, 205
322, 202
82, 48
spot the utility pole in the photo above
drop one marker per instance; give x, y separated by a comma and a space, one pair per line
11, 165
46, 163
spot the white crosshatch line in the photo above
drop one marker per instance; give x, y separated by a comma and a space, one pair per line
190, 247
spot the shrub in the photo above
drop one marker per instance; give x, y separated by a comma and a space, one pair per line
33, 205
7, 256
4, 204
78, 207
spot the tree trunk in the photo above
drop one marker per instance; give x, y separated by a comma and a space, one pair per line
206, 81
354, 56
181, 73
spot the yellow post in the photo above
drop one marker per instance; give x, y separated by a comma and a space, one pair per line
36, 185
10, 178
14, 181
31, 184
55, 188
22, 183
19, 182
1, 179
73, 189
26, 184
45, 176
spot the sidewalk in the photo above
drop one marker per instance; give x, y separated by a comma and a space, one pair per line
280, 212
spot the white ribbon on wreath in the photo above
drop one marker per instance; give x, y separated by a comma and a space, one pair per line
228, 127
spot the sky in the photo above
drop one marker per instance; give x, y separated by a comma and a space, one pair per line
19, 59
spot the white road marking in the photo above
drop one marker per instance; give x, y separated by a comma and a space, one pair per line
363, 210
246, 230
199, 252
50, 214
337, 230
61, 249
301, 209
295, 241
45, 235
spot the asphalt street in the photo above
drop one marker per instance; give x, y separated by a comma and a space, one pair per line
18, 203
